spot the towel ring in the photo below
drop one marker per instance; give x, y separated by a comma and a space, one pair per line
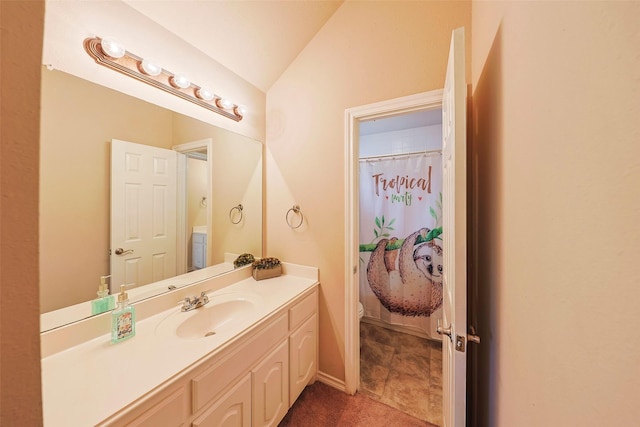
296, 210
203, 202
239, 209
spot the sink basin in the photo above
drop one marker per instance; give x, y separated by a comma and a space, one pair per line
222, 311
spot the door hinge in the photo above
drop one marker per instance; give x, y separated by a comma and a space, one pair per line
472, 336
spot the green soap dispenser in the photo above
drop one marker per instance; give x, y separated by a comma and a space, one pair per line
123, 318
104, 302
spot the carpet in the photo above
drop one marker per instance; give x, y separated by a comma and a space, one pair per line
320, 405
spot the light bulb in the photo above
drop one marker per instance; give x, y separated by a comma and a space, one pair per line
204, 93
150, 68
180, 81
224, 103
241, 110
112, 48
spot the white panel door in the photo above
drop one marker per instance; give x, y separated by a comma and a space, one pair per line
143, 214
454, 234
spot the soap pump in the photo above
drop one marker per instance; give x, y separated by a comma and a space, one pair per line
104, 302
123, 318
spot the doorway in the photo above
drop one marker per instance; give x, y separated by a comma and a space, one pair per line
357, 118
194, 205
400, 280
196, 209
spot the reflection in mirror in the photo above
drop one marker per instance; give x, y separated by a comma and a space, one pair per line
197, 218
79, 120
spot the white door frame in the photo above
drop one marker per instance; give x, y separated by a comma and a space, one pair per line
407, 104
182, 232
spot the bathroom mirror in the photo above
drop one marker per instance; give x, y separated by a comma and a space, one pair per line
79, 119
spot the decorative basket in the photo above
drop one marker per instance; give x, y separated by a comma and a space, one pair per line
242, 260
266, 268
267, 273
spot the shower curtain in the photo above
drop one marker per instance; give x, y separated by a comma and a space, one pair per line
401, 242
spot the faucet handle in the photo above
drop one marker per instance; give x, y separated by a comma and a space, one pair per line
204, 295
187, 304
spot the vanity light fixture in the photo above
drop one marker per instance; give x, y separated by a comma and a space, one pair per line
180, 81
206, 94
240, 110
112, 48
150, 68
111, 54
224, 103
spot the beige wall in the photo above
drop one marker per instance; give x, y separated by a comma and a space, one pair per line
367, 52
237, 170
78, 121
21, 25
555, 130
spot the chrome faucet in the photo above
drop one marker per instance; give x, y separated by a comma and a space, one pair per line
191, 303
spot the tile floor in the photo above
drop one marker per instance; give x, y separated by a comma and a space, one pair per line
402, 371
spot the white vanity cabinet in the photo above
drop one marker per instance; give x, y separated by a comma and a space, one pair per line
232, 409
168, 408
199, 249
303, 345
270, 381
302, 357
253, 381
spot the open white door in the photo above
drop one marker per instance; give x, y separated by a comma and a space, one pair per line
454, 234
143, 214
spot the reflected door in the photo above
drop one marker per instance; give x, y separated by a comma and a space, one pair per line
143, 214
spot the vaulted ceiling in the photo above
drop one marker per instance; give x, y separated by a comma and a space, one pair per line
256, 39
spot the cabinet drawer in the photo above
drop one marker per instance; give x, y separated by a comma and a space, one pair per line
299, 312
216, 378
172, 410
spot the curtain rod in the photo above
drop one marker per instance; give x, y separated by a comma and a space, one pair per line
384, 156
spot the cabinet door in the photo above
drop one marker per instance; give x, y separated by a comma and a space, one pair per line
303, 356
233, 409
271, 388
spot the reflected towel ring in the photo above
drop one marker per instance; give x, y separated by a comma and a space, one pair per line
296, 210
203, 202
239, 209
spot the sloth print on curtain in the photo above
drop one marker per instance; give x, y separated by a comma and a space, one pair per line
400, 238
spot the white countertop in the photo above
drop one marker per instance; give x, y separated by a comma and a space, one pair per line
87, 383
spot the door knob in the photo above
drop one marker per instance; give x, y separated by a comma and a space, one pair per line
443, 331
121, 251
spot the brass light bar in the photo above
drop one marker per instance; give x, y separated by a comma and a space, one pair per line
131, 65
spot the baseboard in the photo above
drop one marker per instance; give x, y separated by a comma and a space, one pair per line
331, 381
406, 329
